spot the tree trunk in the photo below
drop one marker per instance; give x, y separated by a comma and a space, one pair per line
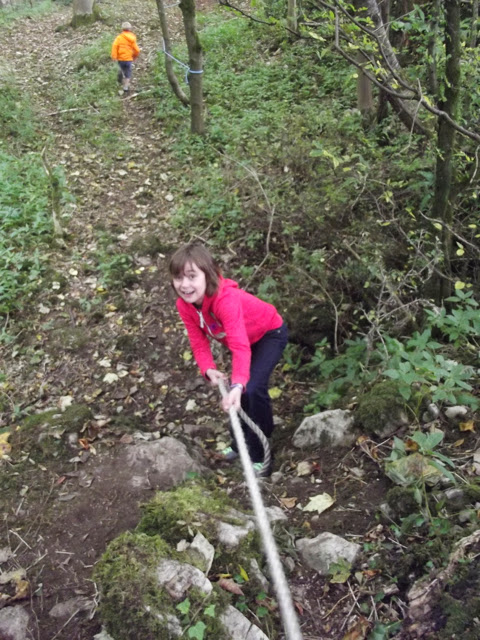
364, 93
83, 7
442, 208
382, 105
404, 110
473, 32
172, 78
432, 48
84, 12
292, 22
196, 66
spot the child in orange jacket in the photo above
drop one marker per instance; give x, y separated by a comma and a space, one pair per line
125, 50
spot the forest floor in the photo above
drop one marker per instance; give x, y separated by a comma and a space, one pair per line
75, 332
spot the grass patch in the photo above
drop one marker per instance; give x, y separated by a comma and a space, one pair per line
9, 15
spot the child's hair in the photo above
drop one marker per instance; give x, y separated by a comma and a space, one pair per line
201, 257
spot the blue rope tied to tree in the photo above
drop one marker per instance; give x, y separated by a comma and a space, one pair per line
185, 66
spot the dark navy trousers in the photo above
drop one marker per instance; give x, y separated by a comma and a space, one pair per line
255, 400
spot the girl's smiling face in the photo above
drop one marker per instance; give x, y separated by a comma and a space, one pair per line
191, 284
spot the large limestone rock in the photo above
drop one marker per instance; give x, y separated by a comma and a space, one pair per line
320, 552
334, 428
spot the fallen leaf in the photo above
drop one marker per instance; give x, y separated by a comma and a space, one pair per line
458, 443
15, 576
126, 438
359, 630
64, 402
467, 426
243, 573
187, 355
230, 585
5, 446
110, 377
288, 503
411, 445
304, 468
22, 590
274, 393
319, 503
298, 607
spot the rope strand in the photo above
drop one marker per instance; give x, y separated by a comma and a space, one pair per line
289, 617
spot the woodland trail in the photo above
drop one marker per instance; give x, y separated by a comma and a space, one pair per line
78, 331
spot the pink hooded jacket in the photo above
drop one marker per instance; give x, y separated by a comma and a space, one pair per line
233, 317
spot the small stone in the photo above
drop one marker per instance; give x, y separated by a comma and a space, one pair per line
453, 413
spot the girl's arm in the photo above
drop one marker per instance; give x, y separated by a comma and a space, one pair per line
229, 312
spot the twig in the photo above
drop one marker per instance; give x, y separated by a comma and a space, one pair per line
56, 113
334, 607
20, 538
351, 608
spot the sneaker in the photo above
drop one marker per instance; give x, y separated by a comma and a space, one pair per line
261, 471
229, 454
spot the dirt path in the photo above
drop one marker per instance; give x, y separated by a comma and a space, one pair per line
58, 521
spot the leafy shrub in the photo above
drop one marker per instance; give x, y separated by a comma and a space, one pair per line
25, 223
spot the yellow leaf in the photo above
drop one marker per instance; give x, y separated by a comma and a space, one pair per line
274, 393
467, 426
243, 573
459, 443
319, 503
187, 355
5, 446
459, 285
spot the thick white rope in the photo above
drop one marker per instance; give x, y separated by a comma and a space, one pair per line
287, 610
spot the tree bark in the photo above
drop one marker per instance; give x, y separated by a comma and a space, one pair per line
404, 110
172, 78
432, 48
84, 12
292, 22
364, 92
83, 7
442, 207
473, 32
196, 65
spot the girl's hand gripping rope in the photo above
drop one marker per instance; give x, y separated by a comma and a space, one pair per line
231, 399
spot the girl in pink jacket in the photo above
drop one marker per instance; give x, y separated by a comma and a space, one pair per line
214, 308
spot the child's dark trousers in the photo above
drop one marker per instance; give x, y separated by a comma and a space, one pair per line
256, 401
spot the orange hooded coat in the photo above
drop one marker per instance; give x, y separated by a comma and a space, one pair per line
125, 47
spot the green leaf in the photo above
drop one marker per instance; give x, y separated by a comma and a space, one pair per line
439, 466
197, 631
210, 611
184, 607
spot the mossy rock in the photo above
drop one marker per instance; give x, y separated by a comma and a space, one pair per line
459, 605
382, 410
401, 501
173, 514
133, 604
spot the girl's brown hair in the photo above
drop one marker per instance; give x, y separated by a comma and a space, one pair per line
200, 256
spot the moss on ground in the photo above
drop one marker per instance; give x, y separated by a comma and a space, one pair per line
381, 405
132, 604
